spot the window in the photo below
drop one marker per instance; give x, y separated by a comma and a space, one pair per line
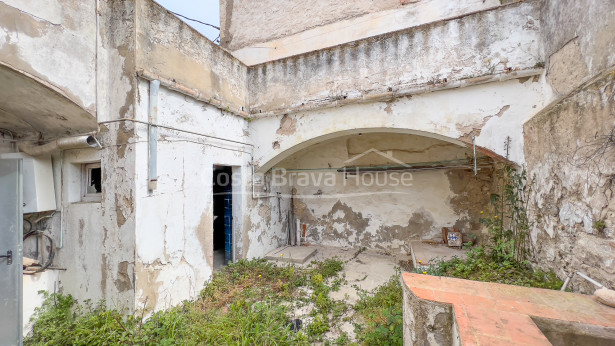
91, 177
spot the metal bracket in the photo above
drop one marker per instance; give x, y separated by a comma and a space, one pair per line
9, 257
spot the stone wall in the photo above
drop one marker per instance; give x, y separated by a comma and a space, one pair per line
578, 41
571, 193
570, 153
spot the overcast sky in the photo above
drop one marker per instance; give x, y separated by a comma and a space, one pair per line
207, 11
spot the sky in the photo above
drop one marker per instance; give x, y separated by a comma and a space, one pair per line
207, 11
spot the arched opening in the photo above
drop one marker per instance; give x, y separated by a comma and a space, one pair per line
384, 189
271, 158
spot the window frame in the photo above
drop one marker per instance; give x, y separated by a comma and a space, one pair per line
86, 170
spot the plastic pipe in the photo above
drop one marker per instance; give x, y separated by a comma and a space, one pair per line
87, 141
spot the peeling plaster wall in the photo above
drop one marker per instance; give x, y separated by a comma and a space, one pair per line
266, 223
99, 238
469, 48
572, 189
490, 112
168, 47
346, 29
174, 223
28, 27
374, 210
569, 196
97, 245
427, 322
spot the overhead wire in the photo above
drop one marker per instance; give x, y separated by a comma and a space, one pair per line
194, 20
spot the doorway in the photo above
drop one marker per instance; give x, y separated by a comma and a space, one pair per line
223, 215
11, 256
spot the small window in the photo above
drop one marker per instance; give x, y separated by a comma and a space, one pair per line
92, 182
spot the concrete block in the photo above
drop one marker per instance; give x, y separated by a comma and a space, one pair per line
293, 254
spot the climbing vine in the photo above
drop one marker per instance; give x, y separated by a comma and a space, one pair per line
509, 226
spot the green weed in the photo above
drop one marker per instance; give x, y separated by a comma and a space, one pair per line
382, 311
481, 266
248, 303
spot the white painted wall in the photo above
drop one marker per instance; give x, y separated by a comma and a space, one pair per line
496, 109
54, 41
45, 281
174, 223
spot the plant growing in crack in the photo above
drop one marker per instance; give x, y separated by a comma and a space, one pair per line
509, 226
600, 225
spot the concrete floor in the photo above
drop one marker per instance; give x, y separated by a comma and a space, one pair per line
365, 269
219, 260
294, 254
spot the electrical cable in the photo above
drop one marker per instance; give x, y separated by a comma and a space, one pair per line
29, 223
44, 218
175, 129
194, 20
52, 252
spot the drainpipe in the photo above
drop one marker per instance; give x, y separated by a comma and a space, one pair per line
87, 141
152, 178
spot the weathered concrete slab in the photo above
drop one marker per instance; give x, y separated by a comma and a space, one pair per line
424, 254
294, 254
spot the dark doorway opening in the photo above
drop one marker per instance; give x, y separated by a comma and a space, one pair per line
223, 215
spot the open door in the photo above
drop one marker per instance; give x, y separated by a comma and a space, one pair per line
11, 270
223, 216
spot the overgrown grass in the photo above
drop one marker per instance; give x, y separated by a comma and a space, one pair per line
481, 266
381, 310
248, 303
252, 303
504, 259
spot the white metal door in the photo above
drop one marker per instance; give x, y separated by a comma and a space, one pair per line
11, 233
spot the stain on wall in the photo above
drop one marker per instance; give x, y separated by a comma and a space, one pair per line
172, 49
477, 45
69, 63
374, 210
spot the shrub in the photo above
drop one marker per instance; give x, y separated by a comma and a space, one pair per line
382, 311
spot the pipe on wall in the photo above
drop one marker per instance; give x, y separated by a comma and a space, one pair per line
154, 87
86, 141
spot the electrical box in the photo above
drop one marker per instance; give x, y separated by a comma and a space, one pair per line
38, 187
